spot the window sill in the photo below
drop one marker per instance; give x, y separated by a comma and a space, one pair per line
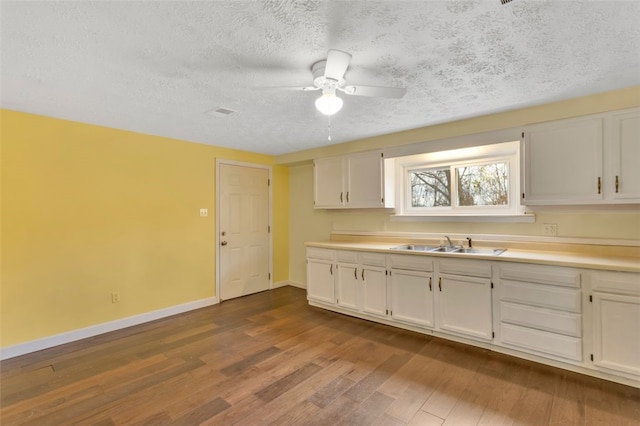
504, 218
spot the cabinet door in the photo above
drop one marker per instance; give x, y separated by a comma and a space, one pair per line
328, 182
465, 305
625, 181
320, 285
364, 180
616, 340
563, 163
374, 290
411, 294
347, 286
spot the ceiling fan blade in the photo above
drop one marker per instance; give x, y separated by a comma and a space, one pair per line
374, 91
290, 88
337, 64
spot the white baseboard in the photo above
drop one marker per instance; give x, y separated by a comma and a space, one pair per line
297, 284
94, 330
280, 284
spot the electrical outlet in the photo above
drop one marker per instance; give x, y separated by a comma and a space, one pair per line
204, 212
115, 297
550, 229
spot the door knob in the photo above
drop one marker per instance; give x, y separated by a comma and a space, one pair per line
224, 243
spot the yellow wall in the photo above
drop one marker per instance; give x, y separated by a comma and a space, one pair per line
88, 210
316, 225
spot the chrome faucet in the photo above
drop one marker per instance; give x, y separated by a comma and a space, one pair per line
449, 239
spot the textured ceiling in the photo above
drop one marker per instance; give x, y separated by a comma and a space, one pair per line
160, 67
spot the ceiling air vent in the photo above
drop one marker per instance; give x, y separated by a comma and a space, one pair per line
505, 1
221, 111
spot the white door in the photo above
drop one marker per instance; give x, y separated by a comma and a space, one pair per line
412, 297
365, 180
563, 162
347, 286
465, 305
320, 280
244, 230
327, 180
616, 343
374, 290
626, 155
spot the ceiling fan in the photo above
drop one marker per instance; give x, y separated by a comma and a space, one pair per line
329, 76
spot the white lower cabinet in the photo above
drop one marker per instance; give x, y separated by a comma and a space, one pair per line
320, 274
589, 319
361, 282
616, 321
540, 310
374, 289
464, 298
411, 290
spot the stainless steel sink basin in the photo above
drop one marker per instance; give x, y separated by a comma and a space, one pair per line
473, 250
414, 247
445, 249
449, 249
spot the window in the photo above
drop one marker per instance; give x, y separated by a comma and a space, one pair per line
465, 182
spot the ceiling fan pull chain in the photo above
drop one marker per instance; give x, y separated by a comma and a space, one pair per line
329, 128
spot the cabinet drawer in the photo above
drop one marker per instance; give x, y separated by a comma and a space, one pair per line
616, 282
411, 262
373, 259
347, 256
542, 319
474, 268
541, 295
320, 253
551, 275
541, 341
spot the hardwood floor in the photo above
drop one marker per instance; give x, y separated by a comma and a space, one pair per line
270, 358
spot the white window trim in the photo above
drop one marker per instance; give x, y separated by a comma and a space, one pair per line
502, 152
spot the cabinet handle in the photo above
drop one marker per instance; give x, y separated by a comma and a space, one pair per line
347, 196
599, 185
341, 197
429, 283
355, 273
617, 183
362, 274
331, 269
440, 283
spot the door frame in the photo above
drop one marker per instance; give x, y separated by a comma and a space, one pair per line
220, 161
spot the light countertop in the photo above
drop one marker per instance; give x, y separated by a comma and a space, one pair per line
577, 260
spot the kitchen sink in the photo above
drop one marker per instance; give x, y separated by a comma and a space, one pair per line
473, 250
414, 247
449, 249
445, 249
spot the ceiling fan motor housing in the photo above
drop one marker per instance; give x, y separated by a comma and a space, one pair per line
319, 79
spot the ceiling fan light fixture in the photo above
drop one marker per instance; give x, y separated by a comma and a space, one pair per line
329, 103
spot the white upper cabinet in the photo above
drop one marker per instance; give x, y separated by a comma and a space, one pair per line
351, 181
624, 184
328, 182
563, 162
586, 160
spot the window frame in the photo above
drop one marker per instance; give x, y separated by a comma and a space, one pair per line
506, 152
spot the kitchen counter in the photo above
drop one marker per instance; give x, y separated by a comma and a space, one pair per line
577, 260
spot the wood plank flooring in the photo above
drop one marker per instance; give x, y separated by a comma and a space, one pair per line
270, 359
